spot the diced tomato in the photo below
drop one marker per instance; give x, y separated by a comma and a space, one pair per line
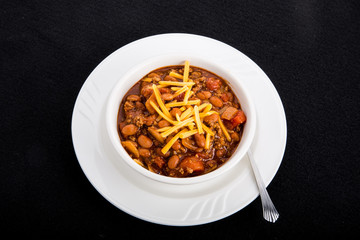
159, 162
238, 119
194, 163
213, 83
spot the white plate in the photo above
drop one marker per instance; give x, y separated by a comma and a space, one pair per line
158, 202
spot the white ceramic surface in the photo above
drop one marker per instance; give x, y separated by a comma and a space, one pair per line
140, 70
157, 202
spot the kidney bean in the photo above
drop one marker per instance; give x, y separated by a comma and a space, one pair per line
220, 152
144, 141
200, 140
144, 152
167, 96
213, 118
173, 161
175, 111
216, 101
129, 130
176, 146
163, 123
134, 98
203, 95
235, 136
169, 78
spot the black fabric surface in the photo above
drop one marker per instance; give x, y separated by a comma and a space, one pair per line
309, 49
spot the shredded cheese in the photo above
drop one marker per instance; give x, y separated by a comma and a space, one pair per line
161, 113
163, 129
176, 75
160, 102
176, 126
197, 119
178, 104
202, 115
177, 117
186, 71
170, 83
224, 130
180, 91
166, 148
207, 108
147, 79
188, 133
187, 113
208, 130
207, 141
187, 95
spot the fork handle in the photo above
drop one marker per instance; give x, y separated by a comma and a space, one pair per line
269, 211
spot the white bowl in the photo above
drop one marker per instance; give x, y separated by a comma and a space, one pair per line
139, 71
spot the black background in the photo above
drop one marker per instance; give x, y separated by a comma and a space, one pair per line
309, 49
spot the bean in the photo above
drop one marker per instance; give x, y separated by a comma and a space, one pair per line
134, 98
176, 146
173, 162
235, 136
163, 123
167, 96
216, 101
170, 78
175, 111
144, 141
200, 140
220, 152
211, 119
140, 105
203, 95
128, 130
144, 152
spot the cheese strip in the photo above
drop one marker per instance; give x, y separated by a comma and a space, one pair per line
166, 148
178, 118
187, 95
197, 119
176, 88
204, 105
208, 114
178, 104
186, 71
176, 127
207, 108
187, 113
160, 102
188, 133
224, 130
170, 83
161, 113
147, 79
208, 130
182, 108
176, 75
180, 91
207, 141
163, 129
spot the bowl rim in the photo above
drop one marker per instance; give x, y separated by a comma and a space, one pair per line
114, 100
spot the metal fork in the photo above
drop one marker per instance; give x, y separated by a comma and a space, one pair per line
269, 211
